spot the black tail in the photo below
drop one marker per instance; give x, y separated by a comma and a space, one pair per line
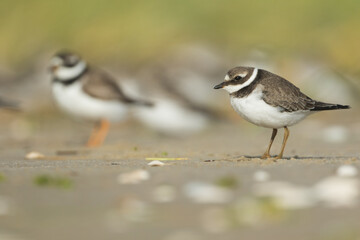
320, 106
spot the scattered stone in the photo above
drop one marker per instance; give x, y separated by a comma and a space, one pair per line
207, 193
156, 164
164, 194
261, 176
254, 211
347, 171
133, 177
34, 155
335, 134
337, 191
285, 194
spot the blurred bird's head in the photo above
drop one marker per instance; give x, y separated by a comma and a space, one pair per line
66, 65
238, 78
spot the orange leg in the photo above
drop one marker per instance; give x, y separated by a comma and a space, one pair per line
98, 134
286, 135
267, 153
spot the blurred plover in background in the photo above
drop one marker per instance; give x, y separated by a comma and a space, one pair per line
179, 84
89, 93
170, 115
268, 100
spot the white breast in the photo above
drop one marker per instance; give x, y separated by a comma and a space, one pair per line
253, 109
74, 101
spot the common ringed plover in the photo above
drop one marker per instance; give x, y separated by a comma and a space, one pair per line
268, 100
89, 93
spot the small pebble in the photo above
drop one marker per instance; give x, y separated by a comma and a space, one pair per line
285, 194
133, 177
253, 211
336, 134
347, 171
338, 191
34, 155
156, 164
207, 193
261, 176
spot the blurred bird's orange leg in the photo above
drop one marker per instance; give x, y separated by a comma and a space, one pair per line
91, 140
99, 134
286, 135
267, 153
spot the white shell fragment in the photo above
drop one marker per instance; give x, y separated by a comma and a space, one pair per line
286, 195
133, 177
34, 155
156, 164
261, 176
347, 171
338, 191
207, 193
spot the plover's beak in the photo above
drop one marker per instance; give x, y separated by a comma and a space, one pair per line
221, 85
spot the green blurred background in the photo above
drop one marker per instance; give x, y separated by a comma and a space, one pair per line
137, 31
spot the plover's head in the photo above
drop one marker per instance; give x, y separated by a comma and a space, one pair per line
238, 78
66, 65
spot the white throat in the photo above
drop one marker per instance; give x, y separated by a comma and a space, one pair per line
66, 73
235, 88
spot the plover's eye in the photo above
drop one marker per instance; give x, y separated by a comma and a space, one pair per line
237, 77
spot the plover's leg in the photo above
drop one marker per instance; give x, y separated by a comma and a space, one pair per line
91, 139
267, 153
99, 134
286, 135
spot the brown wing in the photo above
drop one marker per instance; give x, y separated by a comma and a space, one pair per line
99, 84
285, 95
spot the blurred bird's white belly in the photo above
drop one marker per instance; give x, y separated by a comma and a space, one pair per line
253, 109
168, 117
77, 103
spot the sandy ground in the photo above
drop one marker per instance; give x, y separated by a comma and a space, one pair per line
90, 203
